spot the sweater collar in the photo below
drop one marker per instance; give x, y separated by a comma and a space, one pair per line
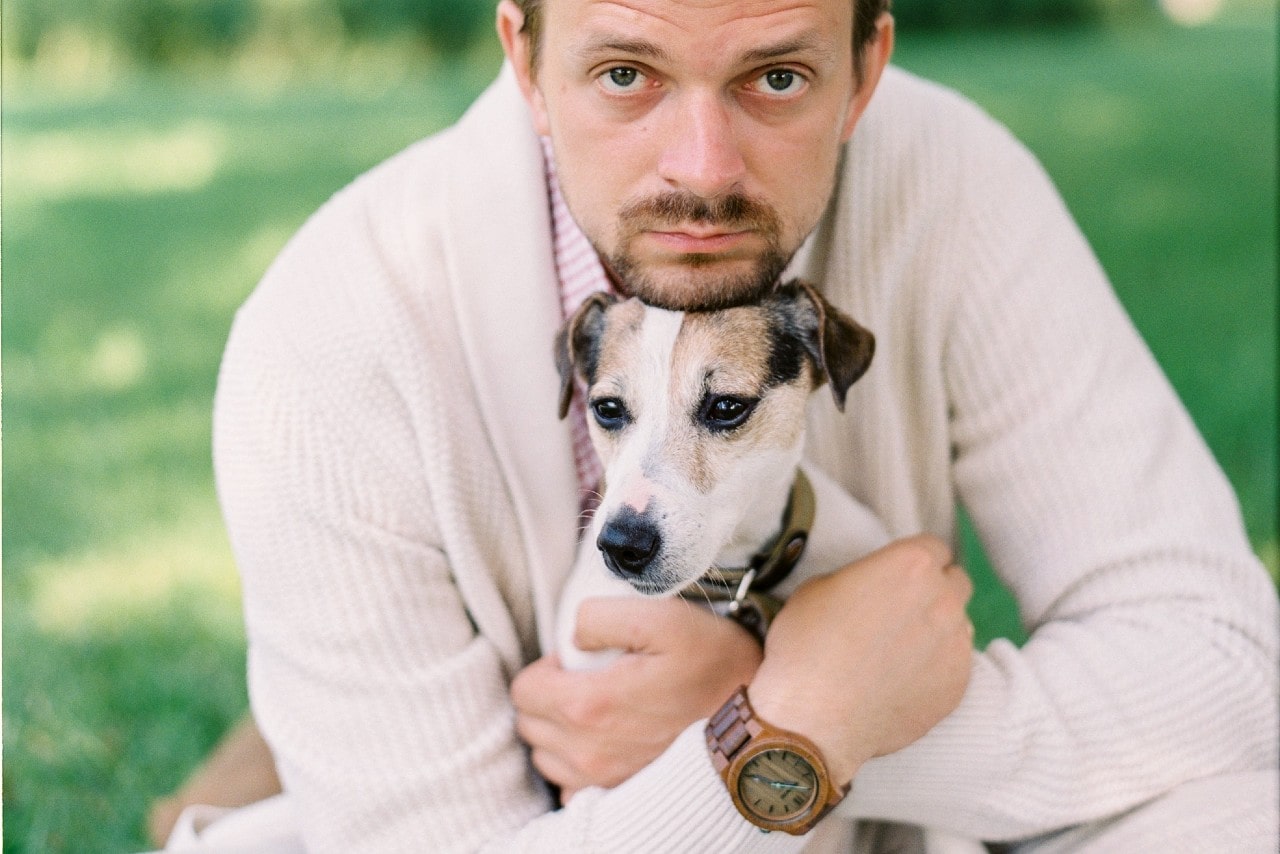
502, 276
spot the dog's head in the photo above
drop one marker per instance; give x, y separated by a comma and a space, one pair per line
698, 418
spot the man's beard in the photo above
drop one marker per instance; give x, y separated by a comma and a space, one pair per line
704, 290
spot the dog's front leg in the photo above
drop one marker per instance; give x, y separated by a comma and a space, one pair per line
590, 578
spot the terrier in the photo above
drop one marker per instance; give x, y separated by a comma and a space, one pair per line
699, 421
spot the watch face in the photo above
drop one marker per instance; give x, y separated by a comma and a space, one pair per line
778, 785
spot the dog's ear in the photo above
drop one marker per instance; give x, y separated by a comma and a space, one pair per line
840, 346
577, 344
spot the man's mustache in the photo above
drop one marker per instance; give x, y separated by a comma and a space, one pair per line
734, 210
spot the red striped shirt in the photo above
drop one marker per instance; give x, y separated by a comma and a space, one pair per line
580, 274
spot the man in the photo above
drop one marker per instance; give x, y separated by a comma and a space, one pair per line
402, 499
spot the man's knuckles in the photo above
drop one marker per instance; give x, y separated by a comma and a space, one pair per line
587, 710
526, 694
922, 552
918, 562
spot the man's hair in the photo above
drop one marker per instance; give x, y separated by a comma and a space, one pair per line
865, 13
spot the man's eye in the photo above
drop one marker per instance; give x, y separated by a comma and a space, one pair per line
610, 413
623, 78
780, 81
724, 412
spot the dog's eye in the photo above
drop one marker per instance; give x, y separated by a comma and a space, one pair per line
610, 413
723, 412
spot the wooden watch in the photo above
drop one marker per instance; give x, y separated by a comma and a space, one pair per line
777, 779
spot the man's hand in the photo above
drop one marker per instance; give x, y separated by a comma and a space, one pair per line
597, 728
868, 659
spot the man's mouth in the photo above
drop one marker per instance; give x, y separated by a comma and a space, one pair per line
686, 240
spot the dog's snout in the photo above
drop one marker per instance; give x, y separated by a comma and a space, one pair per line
628, 542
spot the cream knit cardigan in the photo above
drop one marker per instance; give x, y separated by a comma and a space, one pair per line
402, 503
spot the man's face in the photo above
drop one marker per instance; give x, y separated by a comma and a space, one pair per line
696, 141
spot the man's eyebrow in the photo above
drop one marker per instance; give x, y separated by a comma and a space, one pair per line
800, 44
605, 44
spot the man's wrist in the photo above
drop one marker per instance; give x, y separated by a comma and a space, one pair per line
775, 703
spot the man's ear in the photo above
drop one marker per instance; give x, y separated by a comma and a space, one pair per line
577, 344
875, 56
840, 347
519, 53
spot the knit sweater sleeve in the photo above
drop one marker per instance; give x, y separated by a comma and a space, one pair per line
1152, 657
374, 675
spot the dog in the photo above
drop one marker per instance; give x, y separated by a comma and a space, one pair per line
699, 421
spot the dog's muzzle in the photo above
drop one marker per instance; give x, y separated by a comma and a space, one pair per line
630, 541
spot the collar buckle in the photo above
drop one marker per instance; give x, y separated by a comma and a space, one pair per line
741, 593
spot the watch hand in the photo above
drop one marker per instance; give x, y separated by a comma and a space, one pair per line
777, 784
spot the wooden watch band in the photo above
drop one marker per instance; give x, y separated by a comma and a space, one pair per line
730, 728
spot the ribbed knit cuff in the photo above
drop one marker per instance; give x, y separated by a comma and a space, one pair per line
679, 804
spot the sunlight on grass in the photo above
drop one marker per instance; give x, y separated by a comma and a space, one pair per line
60, 164
104, 591
1191, 13
1269, 554
71, 359
118, 359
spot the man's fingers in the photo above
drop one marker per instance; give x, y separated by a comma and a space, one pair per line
924, 548
632, 625
569, 699
539, 731
554, 769
535, 689
571, 761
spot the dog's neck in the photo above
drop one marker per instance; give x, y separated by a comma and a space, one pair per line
762, 520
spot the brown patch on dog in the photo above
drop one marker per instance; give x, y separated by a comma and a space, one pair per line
617, 351
728, 353
576, 343
623, 325
842, 348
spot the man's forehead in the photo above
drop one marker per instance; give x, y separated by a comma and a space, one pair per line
595, 42
792, 23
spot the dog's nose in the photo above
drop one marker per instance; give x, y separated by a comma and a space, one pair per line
628, 542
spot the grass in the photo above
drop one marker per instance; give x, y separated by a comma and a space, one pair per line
136, 220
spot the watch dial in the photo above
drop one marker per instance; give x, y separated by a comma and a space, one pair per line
778, 785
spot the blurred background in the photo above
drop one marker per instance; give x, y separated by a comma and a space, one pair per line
157, 154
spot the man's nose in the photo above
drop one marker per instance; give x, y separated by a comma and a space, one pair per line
701, 153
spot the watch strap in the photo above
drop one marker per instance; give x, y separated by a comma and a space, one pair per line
730, 728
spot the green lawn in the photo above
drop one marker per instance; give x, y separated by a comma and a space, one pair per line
137, 220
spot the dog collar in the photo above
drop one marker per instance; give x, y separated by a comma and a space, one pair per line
741, 593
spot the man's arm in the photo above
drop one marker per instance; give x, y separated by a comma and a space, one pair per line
1152, 657
863, 661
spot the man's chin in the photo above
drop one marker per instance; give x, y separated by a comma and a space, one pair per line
701, 282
